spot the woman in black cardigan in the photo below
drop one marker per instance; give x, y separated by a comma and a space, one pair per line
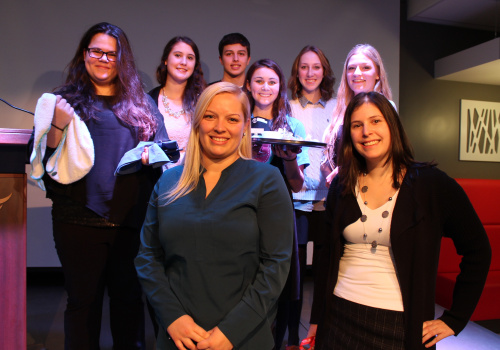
387, 214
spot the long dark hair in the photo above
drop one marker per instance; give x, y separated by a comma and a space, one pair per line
326, 86
129, 102
351, 163
281, 107
196, 82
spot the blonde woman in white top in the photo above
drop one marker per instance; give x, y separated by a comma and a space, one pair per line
364, 71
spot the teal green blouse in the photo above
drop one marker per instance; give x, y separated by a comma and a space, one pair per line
223, 259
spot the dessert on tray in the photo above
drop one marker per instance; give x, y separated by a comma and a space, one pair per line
280, 134
283, 137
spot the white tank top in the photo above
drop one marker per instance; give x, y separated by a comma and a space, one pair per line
367, 274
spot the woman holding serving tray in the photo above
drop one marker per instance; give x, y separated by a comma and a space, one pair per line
271, 111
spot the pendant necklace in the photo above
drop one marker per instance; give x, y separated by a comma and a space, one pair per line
364, 217
169, 110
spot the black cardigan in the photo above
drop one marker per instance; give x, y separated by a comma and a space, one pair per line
430, 205
155, 93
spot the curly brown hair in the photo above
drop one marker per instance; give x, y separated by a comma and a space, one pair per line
129, 102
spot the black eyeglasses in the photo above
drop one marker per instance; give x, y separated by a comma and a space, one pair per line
98, 53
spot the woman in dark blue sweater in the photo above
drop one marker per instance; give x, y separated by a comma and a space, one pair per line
96, 220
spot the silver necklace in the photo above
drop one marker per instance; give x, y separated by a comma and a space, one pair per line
169, 110
364, 217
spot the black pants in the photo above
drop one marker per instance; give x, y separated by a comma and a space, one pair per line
92, 259
310, 226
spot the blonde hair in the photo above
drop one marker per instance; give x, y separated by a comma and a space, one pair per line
192, 162
345, 94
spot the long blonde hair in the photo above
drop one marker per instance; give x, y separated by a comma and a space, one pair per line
192, 161
345, 94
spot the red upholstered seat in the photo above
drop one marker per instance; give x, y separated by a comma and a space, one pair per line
485, 197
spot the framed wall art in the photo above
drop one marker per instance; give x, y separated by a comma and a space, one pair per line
479, 131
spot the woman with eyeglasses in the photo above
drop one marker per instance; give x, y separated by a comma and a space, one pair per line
97, 219
181, 82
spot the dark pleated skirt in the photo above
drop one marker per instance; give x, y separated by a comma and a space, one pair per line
354, 326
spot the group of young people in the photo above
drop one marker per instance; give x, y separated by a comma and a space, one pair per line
213, 240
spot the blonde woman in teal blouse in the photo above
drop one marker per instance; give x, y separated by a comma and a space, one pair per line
217, 239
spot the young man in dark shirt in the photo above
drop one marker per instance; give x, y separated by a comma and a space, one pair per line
234, 55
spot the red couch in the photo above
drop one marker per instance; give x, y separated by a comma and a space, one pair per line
485, 197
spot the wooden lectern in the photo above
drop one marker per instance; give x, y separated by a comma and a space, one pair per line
13, 144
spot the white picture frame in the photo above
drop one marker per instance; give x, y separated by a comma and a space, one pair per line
479, 131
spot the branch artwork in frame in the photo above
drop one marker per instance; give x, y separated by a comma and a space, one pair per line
479, 131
